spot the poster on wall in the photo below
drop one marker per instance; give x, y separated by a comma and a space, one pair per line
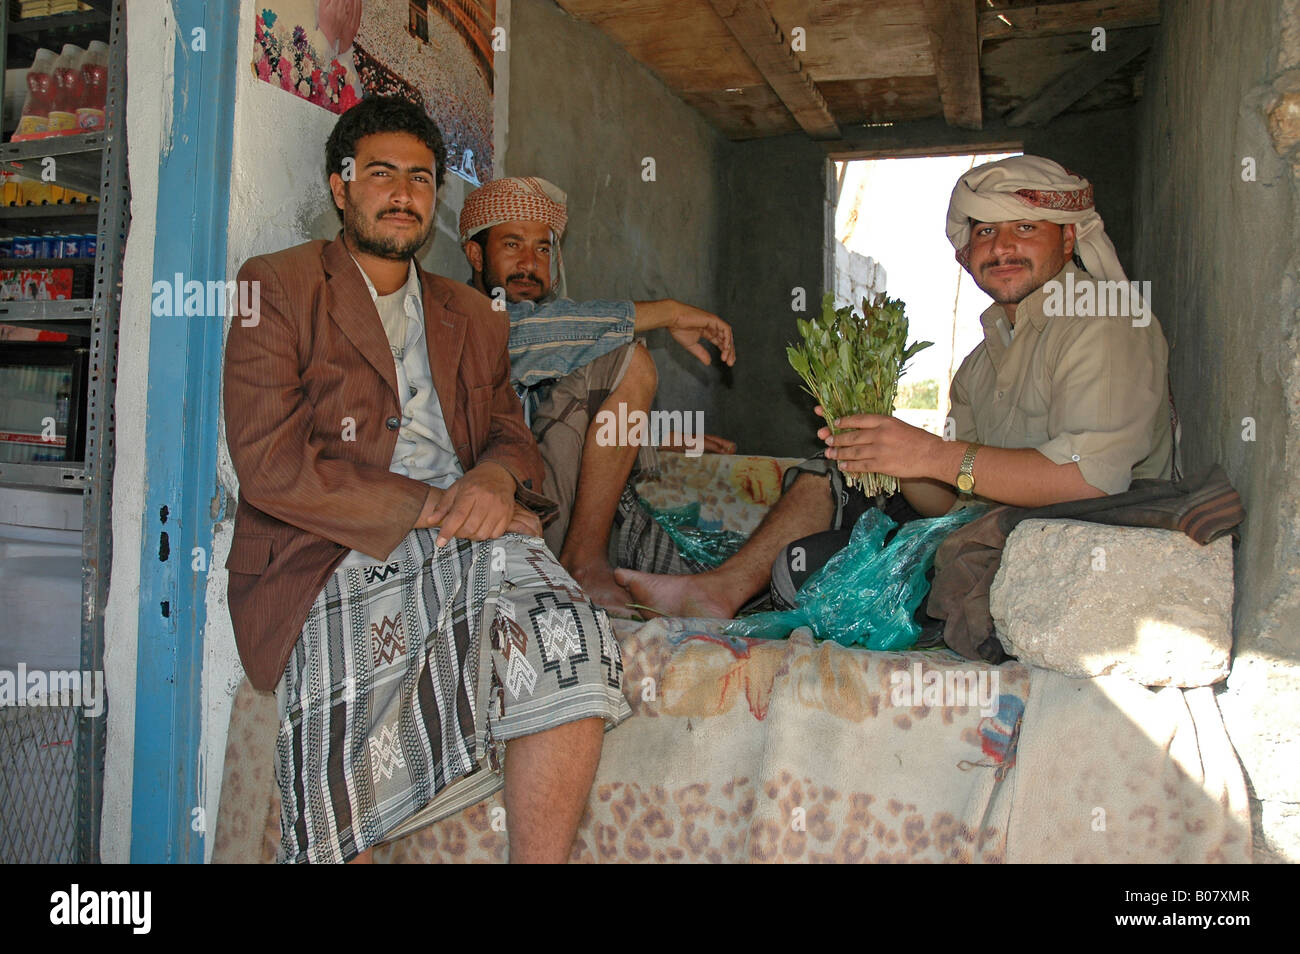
437, 53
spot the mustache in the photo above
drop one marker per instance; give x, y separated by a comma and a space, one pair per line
1023, 262
524, 277
411, 212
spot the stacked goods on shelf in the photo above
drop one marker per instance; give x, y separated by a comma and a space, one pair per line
16, 189
35, 284
65, 95
27, 272
26, 9
49, 245
25, 435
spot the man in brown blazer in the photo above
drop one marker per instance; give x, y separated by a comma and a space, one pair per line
367, 401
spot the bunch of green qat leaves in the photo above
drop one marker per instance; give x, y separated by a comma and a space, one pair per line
851, 364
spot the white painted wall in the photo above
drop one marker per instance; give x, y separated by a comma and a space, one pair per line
150, 30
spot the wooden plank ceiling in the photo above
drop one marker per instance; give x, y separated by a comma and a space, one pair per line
756, 68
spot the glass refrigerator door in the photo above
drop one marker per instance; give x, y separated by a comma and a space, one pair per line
39, 409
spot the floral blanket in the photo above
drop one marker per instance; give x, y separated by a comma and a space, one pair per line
746, 750
743, 751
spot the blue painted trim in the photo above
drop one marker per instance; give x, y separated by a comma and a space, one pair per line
181, 438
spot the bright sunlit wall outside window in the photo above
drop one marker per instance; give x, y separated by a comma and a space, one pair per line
892, 211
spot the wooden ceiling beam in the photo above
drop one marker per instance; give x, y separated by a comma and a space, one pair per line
926, 137
764, 42
1061, 18
1063, 92
954, 42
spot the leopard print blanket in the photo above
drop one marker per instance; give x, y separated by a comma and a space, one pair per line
746, 750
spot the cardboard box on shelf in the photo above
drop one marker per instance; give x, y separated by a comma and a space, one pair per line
35, 284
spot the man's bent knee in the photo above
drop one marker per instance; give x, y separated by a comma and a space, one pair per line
806, 486
809, 481
641, 371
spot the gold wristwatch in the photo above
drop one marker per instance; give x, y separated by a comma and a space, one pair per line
965, 478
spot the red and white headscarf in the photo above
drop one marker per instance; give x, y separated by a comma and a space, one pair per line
1030, 187
519, 199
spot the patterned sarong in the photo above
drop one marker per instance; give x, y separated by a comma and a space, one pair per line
560, 424
640, 543
386, 699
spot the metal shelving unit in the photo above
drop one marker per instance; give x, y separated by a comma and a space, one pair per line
64, 216
45, 474
60, 21
94, 163
77, 164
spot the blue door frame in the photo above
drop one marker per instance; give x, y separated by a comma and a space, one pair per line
167, 822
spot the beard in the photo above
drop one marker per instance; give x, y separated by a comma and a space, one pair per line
364, 236
1004, 294
492, 279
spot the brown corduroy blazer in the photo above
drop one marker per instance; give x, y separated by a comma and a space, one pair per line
311, 416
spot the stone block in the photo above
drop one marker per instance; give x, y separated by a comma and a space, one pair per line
1284, 123
1087, 599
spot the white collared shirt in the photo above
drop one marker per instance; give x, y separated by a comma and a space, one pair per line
424, 449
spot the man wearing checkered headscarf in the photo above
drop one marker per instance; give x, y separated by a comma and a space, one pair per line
571, 362
521, 198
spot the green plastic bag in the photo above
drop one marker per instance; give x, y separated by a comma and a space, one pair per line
867, 593
710, 547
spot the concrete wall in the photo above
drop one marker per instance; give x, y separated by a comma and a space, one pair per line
775, 241
1100, 147
585, 115
1221, 254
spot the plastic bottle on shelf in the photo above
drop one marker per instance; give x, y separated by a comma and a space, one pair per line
62, 402
69, 90
9, 191
35, 121
94, 74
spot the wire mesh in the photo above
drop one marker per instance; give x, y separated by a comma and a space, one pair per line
38, 784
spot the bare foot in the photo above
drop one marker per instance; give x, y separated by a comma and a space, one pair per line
597, 581
666, 595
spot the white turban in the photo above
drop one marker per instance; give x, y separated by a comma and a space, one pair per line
519, 199
1037, 189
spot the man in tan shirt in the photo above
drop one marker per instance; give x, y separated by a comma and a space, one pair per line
1066, 397
1082, 389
